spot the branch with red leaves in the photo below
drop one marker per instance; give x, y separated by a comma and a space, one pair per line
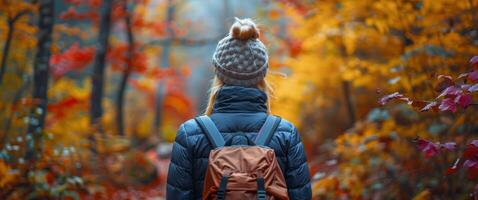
468, 161
453, 93
431, 149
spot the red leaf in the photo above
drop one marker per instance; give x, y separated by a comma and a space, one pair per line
473, 88
50, 178
72, 14
118, 12
159, 28
142, 86
472, 173
94, 3
295, 47
463, 100
138, 23
473, 76
450, 146
384, 100
60, 109
474, 143
432, 105
118, 57
429, 148
465, 87
464, 75
448, 104
453, 168
471, 150
451, 90
74, 58
474, 61
470, 164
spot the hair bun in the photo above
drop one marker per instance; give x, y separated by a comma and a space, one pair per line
244, 29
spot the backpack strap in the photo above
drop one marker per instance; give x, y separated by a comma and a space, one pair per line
208, 127
261, 188
221, 191
267, 130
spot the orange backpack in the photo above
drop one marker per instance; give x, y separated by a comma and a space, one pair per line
242, 171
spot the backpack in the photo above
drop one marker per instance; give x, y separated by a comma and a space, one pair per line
242, 171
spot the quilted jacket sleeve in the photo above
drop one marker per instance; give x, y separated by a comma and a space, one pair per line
297, 171
180, 180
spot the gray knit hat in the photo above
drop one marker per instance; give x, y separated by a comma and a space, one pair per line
241, 58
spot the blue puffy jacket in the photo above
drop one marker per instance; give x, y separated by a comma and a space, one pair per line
236, 110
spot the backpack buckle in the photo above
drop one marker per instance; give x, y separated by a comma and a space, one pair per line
261, 195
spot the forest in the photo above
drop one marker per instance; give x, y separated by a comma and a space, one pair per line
384, 93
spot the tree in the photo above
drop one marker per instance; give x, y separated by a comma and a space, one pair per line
16, 30
21, 10
165, 62
127, 72
65, 159
97, 78
40, 79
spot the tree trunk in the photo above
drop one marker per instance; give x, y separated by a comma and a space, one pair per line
349, 102
126, 74
40, 80
97, 79
8, 41
165, 62
6, 49
120, 102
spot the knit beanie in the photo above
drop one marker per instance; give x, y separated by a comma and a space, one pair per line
240, 57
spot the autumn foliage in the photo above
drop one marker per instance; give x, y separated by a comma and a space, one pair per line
356, 56
384, 93
77, 160
452, 93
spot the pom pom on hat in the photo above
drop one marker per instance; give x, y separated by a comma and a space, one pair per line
244, 29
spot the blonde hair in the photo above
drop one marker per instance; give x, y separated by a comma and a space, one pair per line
218, 84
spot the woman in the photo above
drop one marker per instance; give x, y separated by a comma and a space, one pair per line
238, 104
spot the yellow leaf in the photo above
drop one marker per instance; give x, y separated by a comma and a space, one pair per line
424, 195
6, 174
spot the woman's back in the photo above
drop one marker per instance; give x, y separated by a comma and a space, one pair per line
236, 110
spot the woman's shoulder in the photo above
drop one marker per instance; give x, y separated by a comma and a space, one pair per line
286, 126
189, 127
287, 133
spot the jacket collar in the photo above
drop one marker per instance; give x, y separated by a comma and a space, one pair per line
238, 99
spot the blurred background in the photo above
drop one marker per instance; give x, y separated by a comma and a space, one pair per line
92, 92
